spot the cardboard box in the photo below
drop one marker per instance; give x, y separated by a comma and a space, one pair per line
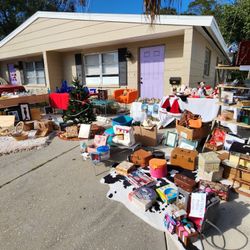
210, 176
7, 121
193, 134
35, 113
147, 137
209, 162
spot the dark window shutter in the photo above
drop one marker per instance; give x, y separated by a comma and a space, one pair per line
79, 67
123, 78
20, 65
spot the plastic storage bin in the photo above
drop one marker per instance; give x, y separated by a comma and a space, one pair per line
104, 152
123, 120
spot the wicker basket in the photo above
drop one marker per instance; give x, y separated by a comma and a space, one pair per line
18, 133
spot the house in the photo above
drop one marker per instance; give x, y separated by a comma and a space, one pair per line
112, 51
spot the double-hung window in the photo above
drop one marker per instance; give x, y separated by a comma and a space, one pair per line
207, 62
34, 72
101, 69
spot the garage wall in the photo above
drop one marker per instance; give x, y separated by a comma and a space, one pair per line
197, 60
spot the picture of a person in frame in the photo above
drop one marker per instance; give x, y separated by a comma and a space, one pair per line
25, 112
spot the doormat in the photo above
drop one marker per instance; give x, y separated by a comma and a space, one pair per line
10, 145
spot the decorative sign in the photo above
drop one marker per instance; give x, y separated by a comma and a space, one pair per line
198, 205
12, 74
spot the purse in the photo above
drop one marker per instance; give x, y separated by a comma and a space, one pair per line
188, 119
195, 123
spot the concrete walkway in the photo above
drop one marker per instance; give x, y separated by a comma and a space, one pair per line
51, 199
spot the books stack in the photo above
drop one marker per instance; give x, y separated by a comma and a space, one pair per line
138, 178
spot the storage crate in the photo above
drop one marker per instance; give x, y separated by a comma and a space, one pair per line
209, 162
123, 120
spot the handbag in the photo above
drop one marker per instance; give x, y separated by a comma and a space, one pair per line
188, 119
195, 123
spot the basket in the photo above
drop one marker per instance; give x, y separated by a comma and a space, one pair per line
18, 133
123, 120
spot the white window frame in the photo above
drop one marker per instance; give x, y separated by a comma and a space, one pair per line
207, 62
35, 73
101, 77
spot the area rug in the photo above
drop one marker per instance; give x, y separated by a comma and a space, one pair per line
11, 145
119, 188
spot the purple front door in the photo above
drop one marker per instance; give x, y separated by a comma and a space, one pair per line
152, 72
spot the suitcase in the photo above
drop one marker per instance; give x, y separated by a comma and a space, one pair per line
141, 157
184, 158
184, 182
220, 189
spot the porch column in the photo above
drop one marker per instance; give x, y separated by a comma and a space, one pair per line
187, 55
53, 69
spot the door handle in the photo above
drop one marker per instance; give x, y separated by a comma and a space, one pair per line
141, 82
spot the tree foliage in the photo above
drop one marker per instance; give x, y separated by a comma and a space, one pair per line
235, 21
205, 8
15, 12
168, 11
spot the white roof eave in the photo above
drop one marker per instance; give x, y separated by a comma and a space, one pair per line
206, 21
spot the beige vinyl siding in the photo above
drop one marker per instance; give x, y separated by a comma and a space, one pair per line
174, 61
54, 75
60, 34
4, 71
197, 60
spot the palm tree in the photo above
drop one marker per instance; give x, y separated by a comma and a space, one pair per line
152, 7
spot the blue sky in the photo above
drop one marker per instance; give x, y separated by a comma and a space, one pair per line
125, 6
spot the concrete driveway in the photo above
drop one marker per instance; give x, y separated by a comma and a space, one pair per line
51, 199
62, 205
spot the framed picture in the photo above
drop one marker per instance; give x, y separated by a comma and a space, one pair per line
227, 97
183, 198
16, 114
188, 144
170, 139
84, 131
25, 111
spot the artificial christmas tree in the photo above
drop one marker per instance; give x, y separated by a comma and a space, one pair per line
80, 109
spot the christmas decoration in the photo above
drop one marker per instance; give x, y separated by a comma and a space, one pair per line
80, 109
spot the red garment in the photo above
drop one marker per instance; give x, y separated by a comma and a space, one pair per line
175, 108
59, 100
166, 104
